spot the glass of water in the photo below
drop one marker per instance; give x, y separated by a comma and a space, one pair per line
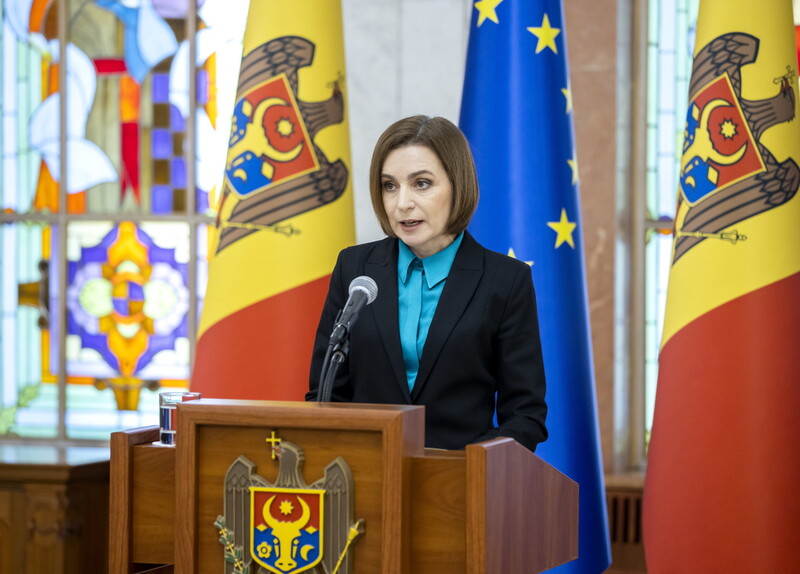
168, 414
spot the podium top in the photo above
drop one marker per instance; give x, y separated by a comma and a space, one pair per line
354, 416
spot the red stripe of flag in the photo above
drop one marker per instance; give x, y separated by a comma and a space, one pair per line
236, 357
723, 473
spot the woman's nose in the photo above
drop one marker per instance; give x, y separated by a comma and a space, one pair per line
405, 199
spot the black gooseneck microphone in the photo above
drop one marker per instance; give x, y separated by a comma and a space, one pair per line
363, 290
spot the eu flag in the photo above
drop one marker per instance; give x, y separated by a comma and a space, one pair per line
517, 114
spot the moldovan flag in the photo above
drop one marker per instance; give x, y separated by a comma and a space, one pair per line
516, 112
285, 208
722, 489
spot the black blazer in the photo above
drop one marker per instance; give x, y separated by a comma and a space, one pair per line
483, 339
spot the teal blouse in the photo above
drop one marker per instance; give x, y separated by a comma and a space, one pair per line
419, 286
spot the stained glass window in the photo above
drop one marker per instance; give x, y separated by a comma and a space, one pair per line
115, 118
24, 316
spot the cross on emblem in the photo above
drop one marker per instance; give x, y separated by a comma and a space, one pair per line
274, 441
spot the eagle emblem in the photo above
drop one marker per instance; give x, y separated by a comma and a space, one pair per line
727, 174
288, 526
275, 170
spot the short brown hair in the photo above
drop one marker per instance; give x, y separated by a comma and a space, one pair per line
445, 140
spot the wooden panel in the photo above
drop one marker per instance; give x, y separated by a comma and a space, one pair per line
377, 442
153, 529
53, 509
8, 561
522, 514
438, 514
44, 518
121, 503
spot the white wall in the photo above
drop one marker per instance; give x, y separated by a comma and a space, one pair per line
403, 57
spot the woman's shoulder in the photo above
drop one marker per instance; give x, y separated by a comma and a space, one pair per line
381, 248
497, 260
511, 269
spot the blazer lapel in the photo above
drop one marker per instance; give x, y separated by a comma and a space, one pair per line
382, 267
463, 279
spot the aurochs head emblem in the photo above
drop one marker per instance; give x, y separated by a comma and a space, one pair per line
286, 528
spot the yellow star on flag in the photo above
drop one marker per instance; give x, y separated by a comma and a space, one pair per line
573, 165
568, 95
487, 9
546, 35
514, 255
563, 228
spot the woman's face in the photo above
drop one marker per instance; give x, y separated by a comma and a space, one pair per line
417, 197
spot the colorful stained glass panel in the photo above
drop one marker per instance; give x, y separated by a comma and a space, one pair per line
119, 292
127, 301
21, 63
23, 316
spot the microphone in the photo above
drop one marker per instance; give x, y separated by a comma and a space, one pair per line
363, 291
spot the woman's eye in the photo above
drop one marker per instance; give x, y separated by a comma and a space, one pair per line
423, 184
389, 186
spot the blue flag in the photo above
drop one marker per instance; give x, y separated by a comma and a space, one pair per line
517, 114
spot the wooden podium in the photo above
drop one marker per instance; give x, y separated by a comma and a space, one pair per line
494, 508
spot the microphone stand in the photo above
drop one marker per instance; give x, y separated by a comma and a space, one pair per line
338, 349
336, 355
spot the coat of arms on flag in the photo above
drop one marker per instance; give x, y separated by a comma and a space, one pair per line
275, 170
288, 526
727, 173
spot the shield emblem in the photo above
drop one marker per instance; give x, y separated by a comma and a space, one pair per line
719, 148
269, 141
286, 528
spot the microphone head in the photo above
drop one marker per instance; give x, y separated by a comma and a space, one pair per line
365, 284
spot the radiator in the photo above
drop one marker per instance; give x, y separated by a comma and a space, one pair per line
624, 501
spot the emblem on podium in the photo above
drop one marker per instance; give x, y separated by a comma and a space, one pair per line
288, 526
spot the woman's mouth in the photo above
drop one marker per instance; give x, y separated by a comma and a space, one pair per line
410, 222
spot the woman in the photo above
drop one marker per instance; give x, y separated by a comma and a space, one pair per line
454, 326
